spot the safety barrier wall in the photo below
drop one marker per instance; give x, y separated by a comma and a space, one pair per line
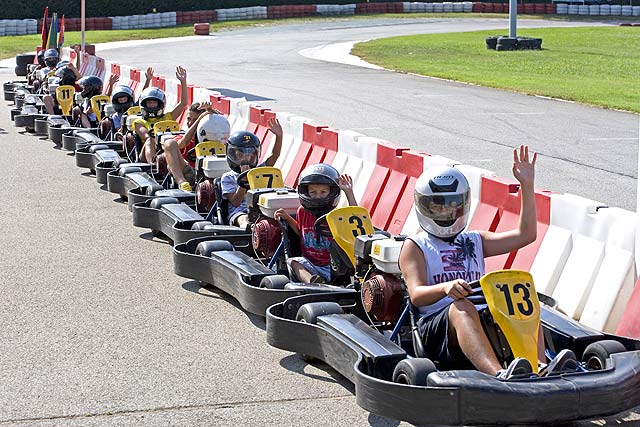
584, 254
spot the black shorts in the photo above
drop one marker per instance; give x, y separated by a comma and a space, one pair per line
434, 332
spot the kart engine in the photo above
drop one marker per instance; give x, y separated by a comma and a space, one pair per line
161, 165
205, 195
266, 236
382, 297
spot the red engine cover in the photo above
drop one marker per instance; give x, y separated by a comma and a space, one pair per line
161, 165
266, 236
205, 195
382, 297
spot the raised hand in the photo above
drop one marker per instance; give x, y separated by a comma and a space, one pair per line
274, 126
181, 74
523, 167
345, 182
149, 73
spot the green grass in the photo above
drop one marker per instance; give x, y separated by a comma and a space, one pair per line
591, 65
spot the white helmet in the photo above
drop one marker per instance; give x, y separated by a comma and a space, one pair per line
214, 127
443, 198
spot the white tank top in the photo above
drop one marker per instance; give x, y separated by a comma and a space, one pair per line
461, 259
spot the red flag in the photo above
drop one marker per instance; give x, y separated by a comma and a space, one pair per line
61, 36
44, 28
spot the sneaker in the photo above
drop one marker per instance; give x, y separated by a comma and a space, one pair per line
185, 186
518, 368
317, 279
565, 361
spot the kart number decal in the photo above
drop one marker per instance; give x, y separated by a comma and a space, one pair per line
265, 177
64, 95
210, 148
357, 222
348, 223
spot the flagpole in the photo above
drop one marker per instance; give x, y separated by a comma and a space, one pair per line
82, 24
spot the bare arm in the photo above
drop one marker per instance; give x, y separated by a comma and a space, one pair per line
148, 75
181, 74
414, 272
274, 126
345, 182
142, 132
282, 214
526, 233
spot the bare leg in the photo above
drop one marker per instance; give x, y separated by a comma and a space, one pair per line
48, 103
466, 332
85, 121
148, 151
541, 357
301, 273
175, 163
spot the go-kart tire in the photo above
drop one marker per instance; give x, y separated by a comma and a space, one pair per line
128, 169
98, 147
15, 112
310, 312
202, 225
413, 371
55, 134
41, 127
153, 189
277, 281
24, 59
596, 354
9, 95
491, 42
207, 248
20, 120
21, 70
19, 101
158, 202
506, 43
119, 162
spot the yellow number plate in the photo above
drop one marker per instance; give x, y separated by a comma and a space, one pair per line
210, 148
166, 126
513, 302
96, 104
64, 95
348, 223
265, 177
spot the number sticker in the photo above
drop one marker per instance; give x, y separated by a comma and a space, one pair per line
346, 224
64, 95
265, 177
359, 230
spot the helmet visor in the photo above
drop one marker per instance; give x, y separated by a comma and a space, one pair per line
243, 155
444, 210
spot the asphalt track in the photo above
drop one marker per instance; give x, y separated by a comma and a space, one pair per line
98, 331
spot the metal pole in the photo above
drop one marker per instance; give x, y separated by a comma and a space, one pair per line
513, 17
82, 25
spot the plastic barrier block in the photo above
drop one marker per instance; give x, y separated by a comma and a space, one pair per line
550, 8
182, 119
499, 210
221, 103
260, 118
629, 325
302, 157
292, 129
134, 80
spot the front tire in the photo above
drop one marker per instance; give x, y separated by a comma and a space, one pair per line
413, 371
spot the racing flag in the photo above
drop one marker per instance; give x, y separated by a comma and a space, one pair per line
44, 28
53, 32
61, 36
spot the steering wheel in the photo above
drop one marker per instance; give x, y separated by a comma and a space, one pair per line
191, 155
477, 297
321, 227
243, 181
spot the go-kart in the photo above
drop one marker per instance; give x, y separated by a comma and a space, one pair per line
254, 272
371, 338
179, 222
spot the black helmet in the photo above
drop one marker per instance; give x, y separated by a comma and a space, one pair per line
51, 57
321, 173
243, 148
66, 75
121, 91
152, 93
41, 58
91, 86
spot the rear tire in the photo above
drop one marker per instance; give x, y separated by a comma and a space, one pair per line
596, 354
310, 312
413, 371
277, 281
207, 248
158, 202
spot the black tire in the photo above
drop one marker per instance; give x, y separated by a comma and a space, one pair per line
21, 70
158, 202
15, 112
119, 162
25, 59
20, 120
41, 126
277, 281
9, 95
128, 169
491, 42
506, 43
413, 371
596, 354
97, 147
152, 189
310, 312
207, 248
202, 225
